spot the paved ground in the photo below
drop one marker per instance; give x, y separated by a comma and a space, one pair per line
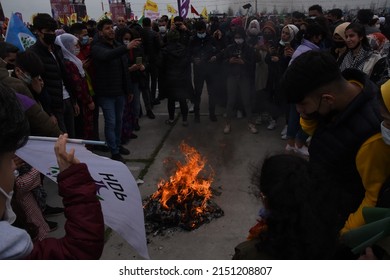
231, 157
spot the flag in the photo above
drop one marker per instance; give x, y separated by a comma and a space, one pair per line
85, 19
73, 18
171, 9
115, 187
151, 6
140, 20
204, 13
184, 6
193, 11
18, 34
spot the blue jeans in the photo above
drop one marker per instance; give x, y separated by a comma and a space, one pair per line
294, 129
112, 111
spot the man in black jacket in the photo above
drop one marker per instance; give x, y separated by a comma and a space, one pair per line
63, 105
112, 83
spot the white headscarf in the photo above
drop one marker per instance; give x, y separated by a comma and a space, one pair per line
68, 42
293, 32
254, 27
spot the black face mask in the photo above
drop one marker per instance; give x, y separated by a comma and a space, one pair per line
49, 38
339, 45
10, 66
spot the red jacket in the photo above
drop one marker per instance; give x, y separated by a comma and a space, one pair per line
84, 227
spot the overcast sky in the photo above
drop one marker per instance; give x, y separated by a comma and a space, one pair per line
94, 7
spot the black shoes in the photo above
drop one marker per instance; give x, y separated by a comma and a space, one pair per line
213, 118
123, 151
136, 126
118, 157
150, 114
52, 211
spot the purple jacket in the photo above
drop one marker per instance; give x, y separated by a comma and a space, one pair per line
305, 46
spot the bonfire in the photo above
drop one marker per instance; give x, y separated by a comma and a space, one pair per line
184, 200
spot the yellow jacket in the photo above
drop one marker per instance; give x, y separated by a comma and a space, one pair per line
373, 164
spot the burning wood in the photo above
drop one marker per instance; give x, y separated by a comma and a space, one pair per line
184, 199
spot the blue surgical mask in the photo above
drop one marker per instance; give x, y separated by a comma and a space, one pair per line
84, 41
201, 35
26, 78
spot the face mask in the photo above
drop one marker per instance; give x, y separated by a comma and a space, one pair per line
126, 42
84, 41
339, 44
162, 29
49, 38
239, 41
385, 134
26, 78
201, 35
76, 51
9, 214
253, 31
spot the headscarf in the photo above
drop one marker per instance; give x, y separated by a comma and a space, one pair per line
67, 43
379, 43
340, 30
271, 26
236, 21
254, 28
293, 32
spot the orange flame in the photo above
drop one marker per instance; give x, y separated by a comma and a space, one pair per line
184, 185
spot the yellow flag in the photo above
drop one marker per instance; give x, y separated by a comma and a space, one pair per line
73, 18
62, 20
204, 13
151, 6
171, 9
86, 18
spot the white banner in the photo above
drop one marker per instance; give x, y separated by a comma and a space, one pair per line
116, 188
152, 15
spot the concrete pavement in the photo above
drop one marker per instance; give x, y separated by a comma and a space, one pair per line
232, 158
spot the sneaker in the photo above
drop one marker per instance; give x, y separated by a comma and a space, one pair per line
304, 151
239, 114
284, 137
284, 131
227, 129
272, 125
190, 108
156, 102
52, 225
133, 136
150, 114
52, 211
290, 148
259, 120
170, 122
118, 157
124, 151
252, 128
177, 105
139, 181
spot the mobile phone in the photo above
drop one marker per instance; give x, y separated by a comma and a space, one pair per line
287, 45
138, 60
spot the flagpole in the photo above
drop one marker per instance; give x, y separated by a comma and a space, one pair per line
76, 141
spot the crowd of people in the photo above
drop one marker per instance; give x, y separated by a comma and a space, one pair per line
324, 75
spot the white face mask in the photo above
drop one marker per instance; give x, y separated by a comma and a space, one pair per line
126, 42
253, 31
76, 51
385, 134
162, 29
9, 214
239, 41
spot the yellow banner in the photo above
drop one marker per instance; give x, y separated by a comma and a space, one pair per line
171, 9
151, 6
73, 18
204, 13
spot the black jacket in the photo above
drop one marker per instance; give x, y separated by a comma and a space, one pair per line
111, 69
336, 141
54, 75
202, 48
